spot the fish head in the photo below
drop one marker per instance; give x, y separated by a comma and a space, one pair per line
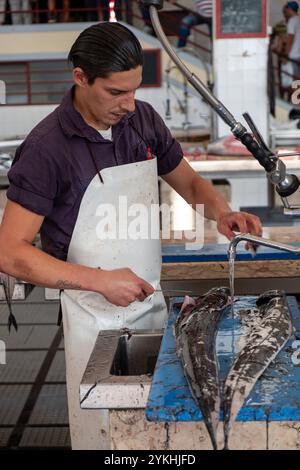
215, 298
265, 298
186, 309
269, 300
218, 297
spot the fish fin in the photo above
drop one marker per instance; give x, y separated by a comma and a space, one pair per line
187, 301
12, 322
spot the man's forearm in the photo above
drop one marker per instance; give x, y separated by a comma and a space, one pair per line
203, 192
30, 264
119, 286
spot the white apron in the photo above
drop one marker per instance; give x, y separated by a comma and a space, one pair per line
86, 313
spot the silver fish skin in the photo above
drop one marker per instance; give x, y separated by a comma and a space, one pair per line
8, 283
266, 339
195, 331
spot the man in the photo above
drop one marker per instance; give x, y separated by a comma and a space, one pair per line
293, 39
93, 151
203, 15
278, 45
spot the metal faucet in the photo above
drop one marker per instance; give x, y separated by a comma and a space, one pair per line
285, 184
259, 241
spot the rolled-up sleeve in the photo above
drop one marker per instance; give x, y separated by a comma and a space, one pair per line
33, 179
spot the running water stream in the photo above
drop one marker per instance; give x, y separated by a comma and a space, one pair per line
231, 279
231, 259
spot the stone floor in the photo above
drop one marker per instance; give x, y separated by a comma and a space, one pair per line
33, 411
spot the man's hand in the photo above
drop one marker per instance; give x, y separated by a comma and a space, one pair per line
230, 222
121, 287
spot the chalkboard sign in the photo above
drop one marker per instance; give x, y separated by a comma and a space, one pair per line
241, 18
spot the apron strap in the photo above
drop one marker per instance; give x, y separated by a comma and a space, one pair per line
139, 134
95, 163
94, 160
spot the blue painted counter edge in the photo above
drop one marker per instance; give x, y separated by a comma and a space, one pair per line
170, 398
218, 252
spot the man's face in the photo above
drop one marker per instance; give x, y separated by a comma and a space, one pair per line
289, 12
286, 12
109, 99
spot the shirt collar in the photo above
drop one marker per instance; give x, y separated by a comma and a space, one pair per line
72, 123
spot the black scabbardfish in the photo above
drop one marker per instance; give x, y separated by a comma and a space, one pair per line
271, 331
195, 332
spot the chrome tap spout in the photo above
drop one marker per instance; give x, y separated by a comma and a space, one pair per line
260, 241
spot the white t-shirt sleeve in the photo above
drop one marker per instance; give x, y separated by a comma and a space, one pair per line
292, 25
294, 29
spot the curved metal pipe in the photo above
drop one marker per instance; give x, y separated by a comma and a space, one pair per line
259, 241
192, 79
285, 184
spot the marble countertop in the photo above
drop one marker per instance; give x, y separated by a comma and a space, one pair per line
236, 165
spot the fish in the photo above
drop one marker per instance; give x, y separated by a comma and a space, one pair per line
229, 146
195, 332
8, 283
272, 329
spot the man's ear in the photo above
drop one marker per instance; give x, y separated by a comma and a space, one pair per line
79, 77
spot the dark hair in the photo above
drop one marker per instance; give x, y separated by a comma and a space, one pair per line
293, 6
105, 48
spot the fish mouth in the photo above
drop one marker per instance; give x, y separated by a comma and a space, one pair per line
265, 298
217, 297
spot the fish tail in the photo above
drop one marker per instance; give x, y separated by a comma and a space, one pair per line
212, 435
227, 416
213, 439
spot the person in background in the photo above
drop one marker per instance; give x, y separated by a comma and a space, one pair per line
59, 10
104, 4
20, 11
293, 36
279, 55
279, 33
148, 28
99, 10
203, 15
40, 11
2, 11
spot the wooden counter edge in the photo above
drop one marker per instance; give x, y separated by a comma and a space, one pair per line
243, 270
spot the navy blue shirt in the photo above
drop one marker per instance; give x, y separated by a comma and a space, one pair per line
53, 166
